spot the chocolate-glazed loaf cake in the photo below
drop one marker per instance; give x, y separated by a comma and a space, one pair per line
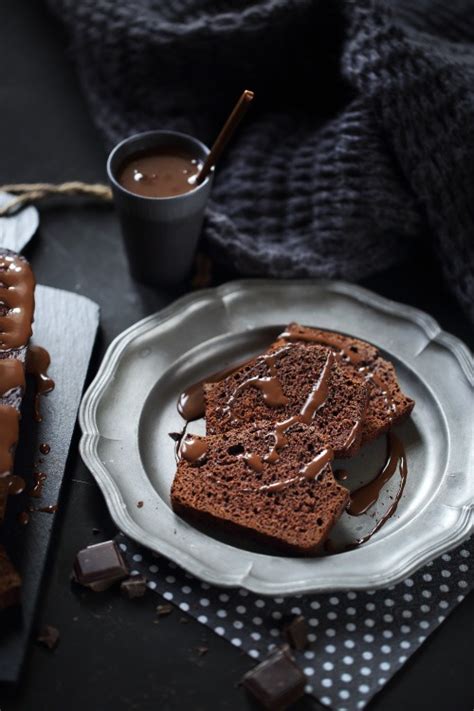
387, 405
292, 381
17, 286
290, 501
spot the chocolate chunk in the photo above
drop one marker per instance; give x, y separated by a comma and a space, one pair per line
48, 637
296, 633
163, 610
276, 682
10, 582
100, 566
134, 586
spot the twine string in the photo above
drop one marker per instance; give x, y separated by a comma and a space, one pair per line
26, 193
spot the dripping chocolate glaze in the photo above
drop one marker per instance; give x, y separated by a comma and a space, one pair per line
37, 364
346, 355
39, 479
193, 448
17, 285
12, 375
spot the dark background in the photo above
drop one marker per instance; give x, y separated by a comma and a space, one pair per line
112, 655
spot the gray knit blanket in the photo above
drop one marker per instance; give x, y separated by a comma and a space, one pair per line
358, 147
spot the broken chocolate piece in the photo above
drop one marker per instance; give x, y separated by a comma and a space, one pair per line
276, 682
100, 566
134, 586
10, 582
48, 637
163, 610
296, 633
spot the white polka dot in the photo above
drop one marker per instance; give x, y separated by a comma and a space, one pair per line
277, 615
349, 644
408, 597
464, 553
221, 613
462, 584
326, 700
402, 659
446, 557
364, 689
326, 683
296, 610
407, 613
274, 632
334, 600
348, 660
385, 666
332, 615
441, 618
259, 603
369, 622
278, 600
153, 568
256, 636
350, 627
184, 606
368, 638
204, 602
409, 582
370, 607
421, 639
330, 632
360, 704
381, 682
351, 595
219, 630
424, 624
313, 622
365, 671
168, 595
202, 619
257, 620
443, 604
170, 579
238, 624
460, 598
367, 655
388, 618
243, 593
254, 653
344, 694
186, 589
385, 648
387, 634
463, 568
308, 689
328, 666
405, 644
236, 641
134, 572
405, 629
425, 608
223, 597
330, 648
151, 584
445, 573
314, 605
444, 588
311, 637
389, 602
346, 677
427, 577
123, 547
351, 611
309, 654
426, 593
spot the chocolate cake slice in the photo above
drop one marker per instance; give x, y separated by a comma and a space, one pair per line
298, 382
241, 481
387, 405
17, 286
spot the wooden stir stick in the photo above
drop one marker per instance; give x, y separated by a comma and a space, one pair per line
227, 130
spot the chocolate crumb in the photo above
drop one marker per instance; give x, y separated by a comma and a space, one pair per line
48, 637
296, 633
176, 436
96, 531
202, 650
134, 586
139, 504
163, 610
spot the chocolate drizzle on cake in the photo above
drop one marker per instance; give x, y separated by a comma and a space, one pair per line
37, 363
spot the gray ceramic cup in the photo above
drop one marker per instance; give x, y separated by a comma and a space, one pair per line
160, 233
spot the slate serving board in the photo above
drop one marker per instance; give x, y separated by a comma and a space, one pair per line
66, 325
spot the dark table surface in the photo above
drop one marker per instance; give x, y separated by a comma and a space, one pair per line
111, 654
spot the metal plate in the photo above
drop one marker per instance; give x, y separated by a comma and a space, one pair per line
130, 408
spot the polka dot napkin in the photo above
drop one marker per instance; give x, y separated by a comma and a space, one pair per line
357, 640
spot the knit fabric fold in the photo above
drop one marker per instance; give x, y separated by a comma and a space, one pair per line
360, 141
